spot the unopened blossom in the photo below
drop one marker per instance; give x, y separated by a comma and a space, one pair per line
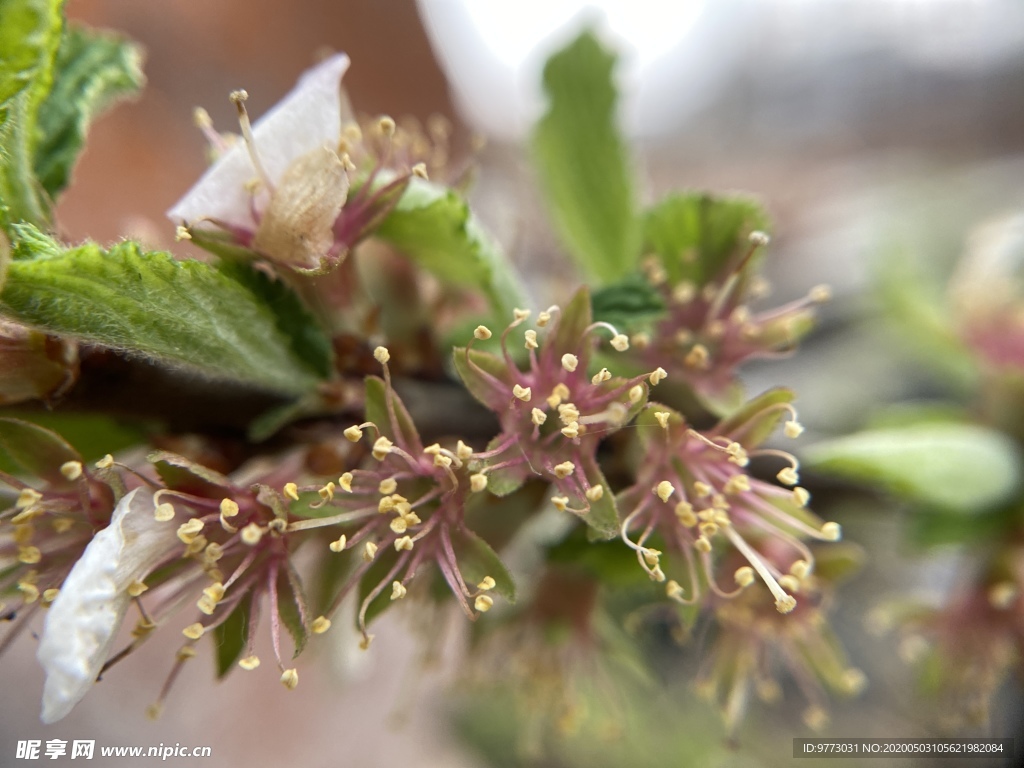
694, 494
554, 410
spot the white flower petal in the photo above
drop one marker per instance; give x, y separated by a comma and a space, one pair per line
82, 622
310, 116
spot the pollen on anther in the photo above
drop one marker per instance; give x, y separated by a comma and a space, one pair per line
601, 376
531, 339
228, 508
369, 551
193, 631
793, 429
620, 342
252, 534
291, 490
381, 355
345, 481
339, 544
664, 490
657, 376
788, 476
404, 543
744, 576
398, 590
290, 679
521, 393
353, 434
487, 584
563, 470
163, 512
477, 482
249, 663
106, 462
636, 394
570, 362
320, 625
482, 333
831, 531
136, 588
595, 493
662, 417
483, 603
381, 448
72, 470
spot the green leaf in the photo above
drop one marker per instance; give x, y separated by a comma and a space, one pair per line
435, 228
477, 369
180, 313
29, 35
477, 559
696, 235
756, 420
291, 606
955, 467
92, 70
181, 474
583, 164
628, 303
37, 450
231, 636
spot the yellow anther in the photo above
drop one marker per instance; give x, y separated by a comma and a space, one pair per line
29, 591
657, 376
482, 333
214, 552
520, 315
698, 357
23, 534
487, 584
785, 604
381, 448
193, 631
600, 377
290, 677
531, 339
388, 486
543, 318
404, 543
736, 484
477, 482
463, 451
72, 470
369, 551
702, 489
27, 498
185, 653
522, 393
570, 362
291, 490
571, 431
187, 531
620, 342
49, 595
252, 534
793, 429
595, 493
399, 525
662, 417
339, 545
673, 589
664, 489
420, 170
483, 603
788, 476
249, 663
685, 514
345, 481
106, 462
320, 625
651, 556
353, 434
29, 555
800, 569
440, 460
568, 413
136, 588
564, 469
744, 576
820, 294
62, 524
702, 544
831, 532
560, 502
197, 545
538, 417
364, 644
708, 528
228, 508
26, 515
636, 394
640, 340
684, 292
801, 496
398, 590
381, 355
164, 512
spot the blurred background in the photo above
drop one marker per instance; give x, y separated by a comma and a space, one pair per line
873, 131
